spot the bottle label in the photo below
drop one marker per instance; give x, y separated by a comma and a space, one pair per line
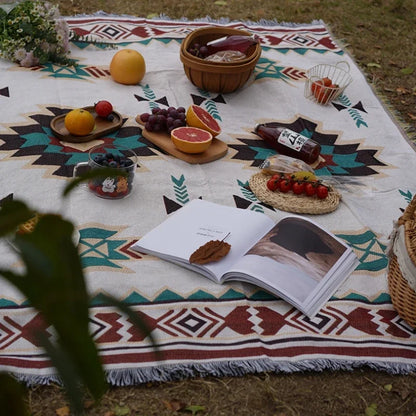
291, 139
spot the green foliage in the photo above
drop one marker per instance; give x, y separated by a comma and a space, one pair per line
54, 284
92, 174
11, 215
371, 410
32, 33
407, 71
195, 409
3, 15
121, 411
11, 393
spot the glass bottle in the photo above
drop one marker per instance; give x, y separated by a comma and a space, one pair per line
232, 43
289, 143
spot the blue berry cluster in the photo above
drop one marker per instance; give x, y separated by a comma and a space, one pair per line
113, 161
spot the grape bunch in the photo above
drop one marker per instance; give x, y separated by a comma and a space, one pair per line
201, 51
164, 120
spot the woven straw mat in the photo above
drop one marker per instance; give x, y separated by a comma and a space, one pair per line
300, 204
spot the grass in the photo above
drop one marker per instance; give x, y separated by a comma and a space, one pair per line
381, 36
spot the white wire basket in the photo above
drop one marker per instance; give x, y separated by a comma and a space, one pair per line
325, 83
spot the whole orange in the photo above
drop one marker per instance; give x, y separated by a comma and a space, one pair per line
79, 122
127, 67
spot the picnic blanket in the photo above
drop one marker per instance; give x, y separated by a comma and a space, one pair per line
203, 328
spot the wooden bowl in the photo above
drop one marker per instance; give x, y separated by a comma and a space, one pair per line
224, 77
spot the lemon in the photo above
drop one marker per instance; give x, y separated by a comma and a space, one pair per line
304, 175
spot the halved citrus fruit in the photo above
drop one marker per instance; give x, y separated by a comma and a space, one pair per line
79, 122
196, 116
127, 67
191, 139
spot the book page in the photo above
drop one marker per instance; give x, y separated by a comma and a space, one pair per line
283, 280
302, 244
198, 222
296, 260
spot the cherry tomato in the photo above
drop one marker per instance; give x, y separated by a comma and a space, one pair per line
289, 177
103, 108
285, 185
310, 189
272, 184
334, 90
327, 81
322, 191
316, 87
298, 188
323, 96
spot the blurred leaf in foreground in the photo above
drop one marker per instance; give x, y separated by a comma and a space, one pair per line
11, 396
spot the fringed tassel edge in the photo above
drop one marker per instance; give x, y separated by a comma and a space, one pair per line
177, 372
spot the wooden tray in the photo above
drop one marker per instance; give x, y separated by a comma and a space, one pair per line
162, 140
102, 127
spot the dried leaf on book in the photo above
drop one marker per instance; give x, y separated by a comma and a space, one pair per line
214, 250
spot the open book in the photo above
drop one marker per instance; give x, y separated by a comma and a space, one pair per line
294, 259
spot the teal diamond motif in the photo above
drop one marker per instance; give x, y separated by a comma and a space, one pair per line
98, 249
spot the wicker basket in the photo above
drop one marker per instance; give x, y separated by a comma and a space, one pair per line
221, 77
338, 74
208, 34
401, 275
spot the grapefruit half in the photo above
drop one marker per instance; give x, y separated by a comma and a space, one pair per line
191, 139
196, 116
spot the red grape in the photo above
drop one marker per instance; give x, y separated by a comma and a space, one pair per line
162, 119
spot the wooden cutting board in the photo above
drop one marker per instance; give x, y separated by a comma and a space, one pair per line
217, 150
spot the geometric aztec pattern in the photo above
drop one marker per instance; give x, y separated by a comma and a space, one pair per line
36, 143
100, 248
253, 326
351, 159
199, 329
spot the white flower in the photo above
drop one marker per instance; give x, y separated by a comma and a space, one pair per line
20, 54
45, 46
47, 40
